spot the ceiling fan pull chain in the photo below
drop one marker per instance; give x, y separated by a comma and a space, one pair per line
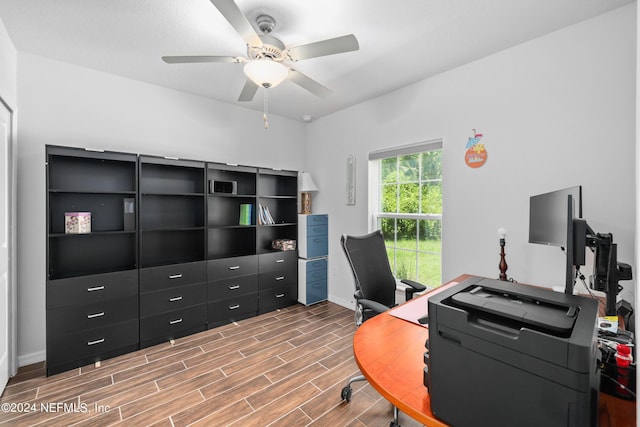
266, 106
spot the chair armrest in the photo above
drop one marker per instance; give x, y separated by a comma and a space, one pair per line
372, 305
414, 287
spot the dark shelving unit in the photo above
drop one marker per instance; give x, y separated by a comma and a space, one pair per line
92, 283
172, 248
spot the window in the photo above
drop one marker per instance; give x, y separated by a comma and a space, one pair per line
406, 203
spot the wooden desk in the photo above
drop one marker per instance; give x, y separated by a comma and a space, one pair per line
389, 352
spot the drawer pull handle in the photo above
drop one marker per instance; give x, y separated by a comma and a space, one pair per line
279, 295
174, 299
174, 322
234, 287
101, 340
234, 307
280, 278
175, 276
279, 261
94, 315
234, 267
95, 288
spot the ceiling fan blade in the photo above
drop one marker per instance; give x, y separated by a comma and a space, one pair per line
309, 84
248, 91
229, 9
196, 59
347, 43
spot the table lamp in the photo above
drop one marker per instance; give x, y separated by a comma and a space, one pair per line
502, 233
306, 186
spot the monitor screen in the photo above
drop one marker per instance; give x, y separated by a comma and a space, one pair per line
548, 220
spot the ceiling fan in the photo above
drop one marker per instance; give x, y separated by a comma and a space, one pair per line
269, 60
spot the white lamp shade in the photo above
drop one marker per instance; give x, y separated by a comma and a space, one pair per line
305, 183
265, 72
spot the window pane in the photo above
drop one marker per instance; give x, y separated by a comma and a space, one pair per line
407, 237
405, 264
430, 236
432, 198
409, 168
388, 168
432, 165
429, 269
409, 198
388, 227
389, 198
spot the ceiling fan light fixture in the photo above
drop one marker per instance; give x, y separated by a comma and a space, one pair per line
265, 72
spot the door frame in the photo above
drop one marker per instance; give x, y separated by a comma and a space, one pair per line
12, 288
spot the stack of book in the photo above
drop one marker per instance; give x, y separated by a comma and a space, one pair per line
265, 216
245, 213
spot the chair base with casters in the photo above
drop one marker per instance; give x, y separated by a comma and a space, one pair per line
375, 287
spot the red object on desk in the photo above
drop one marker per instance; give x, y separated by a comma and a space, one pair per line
389, 352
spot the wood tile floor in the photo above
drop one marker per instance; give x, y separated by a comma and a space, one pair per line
284, 368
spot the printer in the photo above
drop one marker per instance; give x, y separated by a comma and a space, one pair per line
503, 354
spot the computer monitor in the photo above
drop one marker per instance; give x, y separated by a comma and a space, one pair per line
555, 220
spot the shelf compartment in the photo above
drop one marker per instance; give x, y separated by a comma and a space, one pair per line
180, 177
278, 183
283, 210
164, 212
91, 174
225, 211
162, 247
107, 210
86, 254
244, 177
266, 234
231, 242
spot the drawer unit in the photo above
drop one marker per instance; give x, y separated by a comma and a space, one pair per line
90, 345
232, 309
277, 297
66, 320
91, 289
231, 267
171, 276
312, 280
232, 287
277, 261
172, 299
173, 324
313, 240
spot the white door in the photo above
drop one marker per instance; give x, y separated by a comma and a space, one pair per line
6, 294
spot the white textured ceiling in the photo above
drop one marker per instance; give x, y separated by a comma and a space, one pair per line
401, 41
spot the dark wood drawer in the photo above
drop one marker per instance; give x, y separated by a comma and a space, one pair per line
91, 342
170, 325
232, 309
64, 321
219, 269
278, 260
232, 287
278, 297
79, 291
171, 276
274, 279
152, 303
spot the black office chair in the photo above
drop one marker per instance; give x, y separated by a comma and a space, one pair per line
375, 286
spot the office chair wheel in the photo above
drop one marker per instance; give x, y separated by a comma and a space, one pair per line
346, 394
394, 424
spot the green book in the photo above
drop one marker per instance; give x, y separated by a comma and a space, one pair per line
245, 214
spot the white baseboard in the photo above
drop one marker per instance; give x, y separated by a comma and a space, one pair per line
31, 358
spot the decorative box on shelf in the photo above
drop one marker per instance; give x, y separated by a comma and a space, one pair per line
284, 244
77, 222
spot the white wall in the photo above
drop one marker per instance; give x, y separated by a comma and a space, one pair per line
555, 112
62, 104
8, 68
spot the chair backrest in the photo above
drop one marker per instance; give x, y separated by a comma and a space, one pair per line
367, 256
